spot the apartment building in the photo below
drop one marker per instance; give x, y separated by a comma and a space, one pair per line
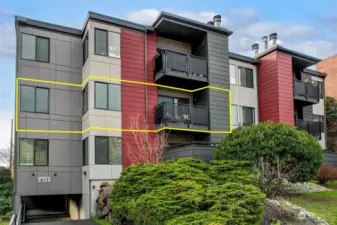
79, 91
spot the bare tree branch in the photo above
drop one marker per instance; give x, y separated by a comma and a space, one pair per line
146, 147
5, 157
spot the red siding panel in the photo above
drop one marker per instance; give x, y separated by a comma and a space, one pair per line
133, 95
276, 101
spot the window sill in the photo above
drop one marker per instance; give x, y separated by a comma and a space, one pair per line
32, 60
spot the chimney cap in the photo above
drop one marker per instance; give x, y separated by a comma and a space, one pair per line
210, 23
264, 38
273, 35
255, 46
217, 17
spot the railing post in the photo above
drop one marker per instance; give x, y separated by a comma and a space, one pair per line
188, 65
190, 114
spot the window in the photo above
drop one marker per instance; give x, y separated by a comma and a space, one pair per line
319, 118
34, 99
85, 48
246, 77
173, 100
35, 48
85, 152
234, 115
107, 43
248, 115
108, 150
232, 74
321, 89
85, 99
107, 96
33, 152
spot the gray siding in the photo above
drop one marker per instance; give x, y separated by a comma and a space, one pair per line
196, 151
218, 70
307, 113
330, 159
65, 113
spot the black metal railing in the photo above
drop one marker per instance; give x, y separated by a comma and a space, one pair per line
166, 113
312, 127
306, 90
189, 65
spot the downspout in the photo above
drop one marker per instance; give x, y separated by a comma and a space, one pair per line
146, 91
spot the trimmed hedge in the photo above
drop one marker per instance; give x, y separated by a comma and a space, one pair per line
271, 141
158, 194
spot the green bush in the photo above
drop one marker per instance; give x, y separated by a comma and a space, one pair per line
5, 175
5, 190
5, 205
199, 218
157, 194
273, 141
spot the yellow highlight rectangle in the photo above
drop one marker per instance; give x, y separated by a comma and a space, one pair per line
119, 129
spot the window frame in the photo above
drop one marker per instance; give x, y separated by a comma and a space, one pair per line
85, 43
235, 74
108, 150
85, 89
36, 36
85, 152
237, 115
35, 88
254, 114
107, 43
320, 85
34, 146
107, 85
319, 118
239, 78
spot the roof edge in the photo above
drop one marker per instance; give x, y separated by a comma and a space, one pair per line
315, 73
49, 26
288, 51
243, 58
168, 15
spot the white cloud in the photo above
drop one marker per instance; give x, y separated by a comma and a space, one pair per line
249, 28
7, 39
5, 127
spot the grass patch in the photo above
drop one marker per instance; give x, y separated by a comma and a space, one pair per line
322, 204
98, 221
331, 184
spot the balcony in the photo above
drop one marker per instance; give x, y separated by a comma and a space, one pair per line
307, 93
312, 127
178, 69
182, 116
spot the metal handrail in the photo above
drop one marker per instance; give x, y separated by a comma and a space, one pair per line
12, 221
21, 215
305, 91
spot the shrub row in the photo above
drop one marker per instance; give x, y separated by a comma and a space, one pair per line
187, 191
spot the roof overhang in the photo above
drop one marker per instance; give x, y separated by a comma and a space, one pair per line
243, 58
177, 27
315, 73
299, 59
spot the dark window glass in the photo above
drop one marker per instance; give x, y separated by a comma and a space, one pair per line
248, 116
33, 152
85, 99
42, 100
35, 48
101, 42
246, 77
42, 49
34, 99
321, 89
85, 48
108, 150
85, 152
101, 150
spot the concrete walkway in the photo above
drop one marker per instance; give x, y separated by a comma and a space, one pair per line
69, 222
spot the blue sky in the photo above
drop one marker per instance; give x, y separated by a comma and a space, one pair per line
306, 26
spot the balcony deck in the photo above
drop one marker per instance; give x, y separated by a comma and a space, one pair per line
180, 70
307, 93
182, 116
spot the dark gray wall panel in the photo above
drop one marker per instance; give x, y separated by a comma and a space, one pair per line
218, 64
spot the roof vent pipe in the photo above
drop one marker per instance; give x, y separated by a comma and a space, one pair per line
265, 41
255, 49
273, 38
217, 20
210, 23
